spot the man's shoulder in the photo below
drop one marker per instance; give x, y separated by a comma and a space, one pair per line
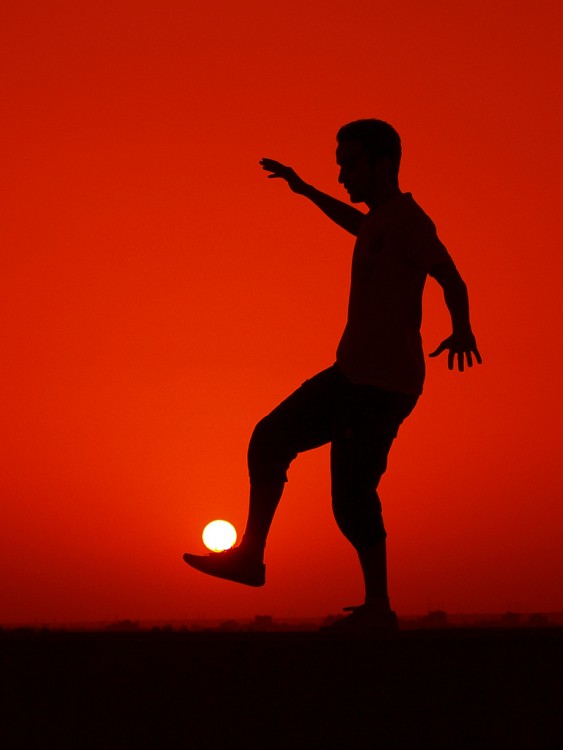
407, 217
411, 207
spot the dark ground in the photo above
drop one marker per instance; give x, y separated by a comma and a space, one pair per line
457, 689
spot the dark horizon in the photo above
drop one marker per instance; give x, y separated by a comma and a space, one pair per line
467, 689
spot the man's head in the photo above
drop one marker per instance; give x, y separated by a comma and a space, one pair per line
369, 155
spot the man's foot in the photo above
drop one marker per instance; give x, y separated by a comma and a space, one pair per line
365, 620
232, 564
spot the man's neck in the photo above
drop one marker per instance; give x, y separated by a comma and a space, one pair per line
380, 195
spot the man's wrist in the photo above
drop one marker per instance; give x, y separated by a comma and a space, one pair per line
463, 329
308, 190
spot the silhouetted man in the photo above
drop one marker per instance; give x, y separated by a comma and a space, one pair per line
357, 404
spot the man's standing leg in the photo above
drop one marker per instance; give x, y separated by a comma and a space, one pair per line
373, 561
358, 461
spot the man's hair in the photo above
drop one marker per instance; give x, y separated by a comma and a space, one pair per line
376, 136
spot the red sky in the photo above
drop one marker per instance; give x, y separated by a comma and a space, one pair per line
160, 295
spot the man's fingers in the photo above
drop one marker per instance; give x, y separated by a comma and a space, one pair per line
282, 172
272, 166
455, 352
437, 351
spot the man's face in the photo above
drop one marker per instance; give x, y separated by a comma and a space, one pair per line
358, 175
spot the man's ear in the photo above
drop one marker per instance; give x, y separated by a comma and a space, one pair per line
383, 166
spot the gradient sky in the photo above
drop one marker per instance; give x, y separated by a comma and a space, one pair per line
159, 295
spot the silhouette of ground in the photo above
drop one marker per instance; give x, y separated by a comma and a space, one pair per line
452, 688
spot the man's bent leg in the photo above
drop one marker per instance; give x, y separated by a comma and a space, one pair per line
263, 502
305, 420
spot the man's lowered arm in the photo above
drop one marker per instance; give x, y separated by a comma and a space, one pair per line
461, 344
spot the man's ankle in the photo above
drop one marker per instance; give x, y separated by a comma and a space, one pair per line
378, 604
250, 549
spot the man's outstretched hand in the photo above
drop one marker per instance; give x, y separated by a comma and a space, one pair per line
460, 346
286, 173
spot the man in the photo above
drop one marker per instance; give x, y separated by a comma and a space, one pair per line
357, 404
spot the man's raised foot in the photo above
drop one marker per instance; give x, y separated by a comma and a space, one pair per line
232, 565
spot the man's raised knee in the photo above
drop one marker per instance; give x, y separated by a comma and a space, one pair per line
268, 458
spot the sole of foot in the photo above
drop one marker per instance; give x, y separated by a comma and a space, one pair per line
231, 565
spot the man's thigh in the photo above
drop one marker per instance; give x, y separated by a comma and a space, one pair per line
314, 414
359, 452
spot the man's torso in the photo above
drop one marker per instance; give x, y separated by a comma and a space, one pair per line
394, 251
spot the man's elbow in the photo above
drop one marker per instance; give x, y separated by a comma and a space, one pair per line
447, 275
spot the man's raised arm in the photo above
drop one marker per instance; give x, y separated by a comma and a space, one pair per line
344, 215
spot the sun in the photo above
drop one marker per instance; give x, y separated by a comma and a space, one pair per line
219, 536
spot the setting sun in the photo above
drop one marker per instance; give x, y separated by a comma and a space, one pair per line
219, 536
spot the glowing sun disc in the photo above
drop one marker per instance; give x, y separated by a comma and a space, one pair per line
219, 536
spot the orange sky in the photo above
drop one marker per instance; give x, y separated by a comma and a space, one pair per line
159, 296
